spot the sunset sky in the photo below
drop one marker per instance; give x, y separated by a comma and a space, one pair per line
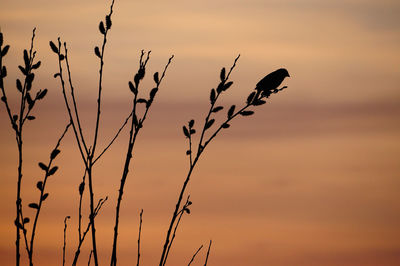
313, 178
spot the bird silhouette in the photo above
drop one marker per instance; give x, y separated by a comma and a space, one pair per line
271, 82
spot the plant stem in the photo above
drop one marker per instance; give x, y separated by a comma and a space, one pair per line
136, 125
194, 255
208, 253
140, 232
65, 237
41, 199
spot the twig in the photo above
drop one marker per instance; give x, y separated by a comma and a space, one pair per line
200, 147
208, 253
77, 134
181, 212
90, 176
24, 231
90, 257
97, 210
194, 255
81, 190
114, 138
213, 97
74, 100
41, 185
17, 121
65, 237
90, 152
208, 123
140, 231
136, 125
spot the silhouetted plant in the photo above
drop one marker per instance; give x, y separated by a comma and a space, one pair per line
139, 234
87, 154
208, 253
194, 255
17, 121
65, 238
140, 108
136, 124
49, 170
82, 235
269, 85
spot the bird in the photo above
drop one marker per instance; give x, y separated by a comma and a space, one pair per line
271, 82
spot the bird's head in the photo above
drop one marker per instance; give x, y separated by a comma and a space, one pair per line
284, 72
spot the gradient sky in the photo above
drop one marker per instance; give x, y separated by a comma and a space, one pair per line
312, 178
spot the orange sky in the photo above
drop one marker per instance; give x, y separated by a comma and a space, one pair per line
311, 179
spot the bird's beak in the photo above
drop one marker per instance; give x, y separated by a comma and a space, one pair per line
288, 75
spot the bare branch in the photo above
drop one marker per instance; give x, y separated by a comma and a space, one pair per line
65, 237
208, 253
140, 232
194, 255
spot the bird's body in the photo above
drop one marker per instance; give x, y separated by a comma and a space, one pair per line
271, 81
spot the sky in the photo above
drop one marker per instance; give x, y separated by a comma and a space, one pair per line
312, 178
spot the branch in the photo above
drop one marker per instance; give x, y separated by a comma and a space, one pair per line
136, 125
208, 253
194, 255
207, 124
81, 190
90, 257
41, 185
97, 210
73, 99
140, 231
70, 114
65, 237
114, 138
181, 212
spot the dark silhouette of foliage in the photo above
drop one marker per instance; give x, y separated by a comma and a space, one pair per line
253, 100
136, 124
17, 120
89, 152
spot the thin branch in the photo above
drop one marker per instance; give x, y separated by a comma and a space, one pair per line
65, 237
165, 68
222, 124
201, 147
24, 231
208, 253
114, 138
99, 96
104, 31
90, 257
76, 132
194, 255
190, 144
42, 197
73, 99
244, 108
15, 128
18, 128
199, 152
176, 212
232, 67
181, 212
136, 125
4, 96
97, 210
81, 190
19, 141
140, 232
132, 138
